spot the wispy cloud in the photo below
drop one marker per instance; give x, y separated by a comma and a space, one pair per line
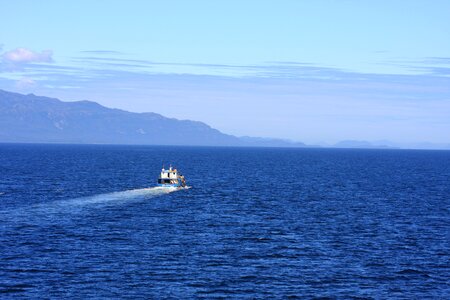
438, 60
97, 65
20, 63
437, 66
24, 55
276, 69
25, 83
103, 52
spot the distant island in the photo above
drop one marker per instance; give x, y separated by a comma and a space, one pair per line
36, 119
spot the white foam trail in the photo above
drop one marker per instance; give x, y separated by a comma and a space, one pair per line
73, 205
123, 195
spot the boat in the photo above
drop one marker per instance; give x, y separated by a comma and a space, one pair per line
171, 178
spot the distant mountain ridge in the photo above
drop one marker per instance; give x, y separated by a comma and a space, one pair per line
385, 144
37, 119
363, 145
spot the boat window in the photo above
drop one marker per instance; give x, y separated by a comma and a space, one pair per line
163, 181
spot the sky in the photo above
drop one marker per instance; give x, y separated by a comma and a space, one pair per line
313, 71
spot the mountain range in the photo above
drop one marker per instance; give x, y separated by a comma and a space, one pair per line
35, 119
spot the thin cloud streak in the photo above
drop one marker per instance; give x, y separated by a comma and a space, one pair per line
103, 52
284, 69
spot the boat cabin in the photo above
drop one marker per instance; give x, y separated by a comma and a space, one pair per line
171, 178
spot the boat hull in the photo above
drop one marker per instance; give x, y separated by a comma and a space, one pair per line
169, 185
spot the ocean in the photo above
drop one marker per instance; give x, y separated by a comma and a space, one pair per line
85, 221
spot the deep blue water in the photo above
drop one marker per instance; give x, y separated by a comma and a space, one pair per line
81, 221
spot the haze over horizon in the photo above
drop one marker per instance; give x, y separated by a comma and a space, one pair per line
316, 72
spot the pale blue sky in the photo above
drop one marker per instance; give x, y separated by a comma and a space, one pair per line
313, 71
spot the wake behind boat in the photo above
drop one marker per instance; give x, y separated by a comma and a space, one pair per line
171, 178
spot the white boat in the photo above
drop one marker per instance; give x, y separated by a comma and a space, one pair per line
171, 178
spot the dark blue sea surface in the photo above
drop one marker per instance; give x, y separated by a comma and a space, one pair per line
83, 221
